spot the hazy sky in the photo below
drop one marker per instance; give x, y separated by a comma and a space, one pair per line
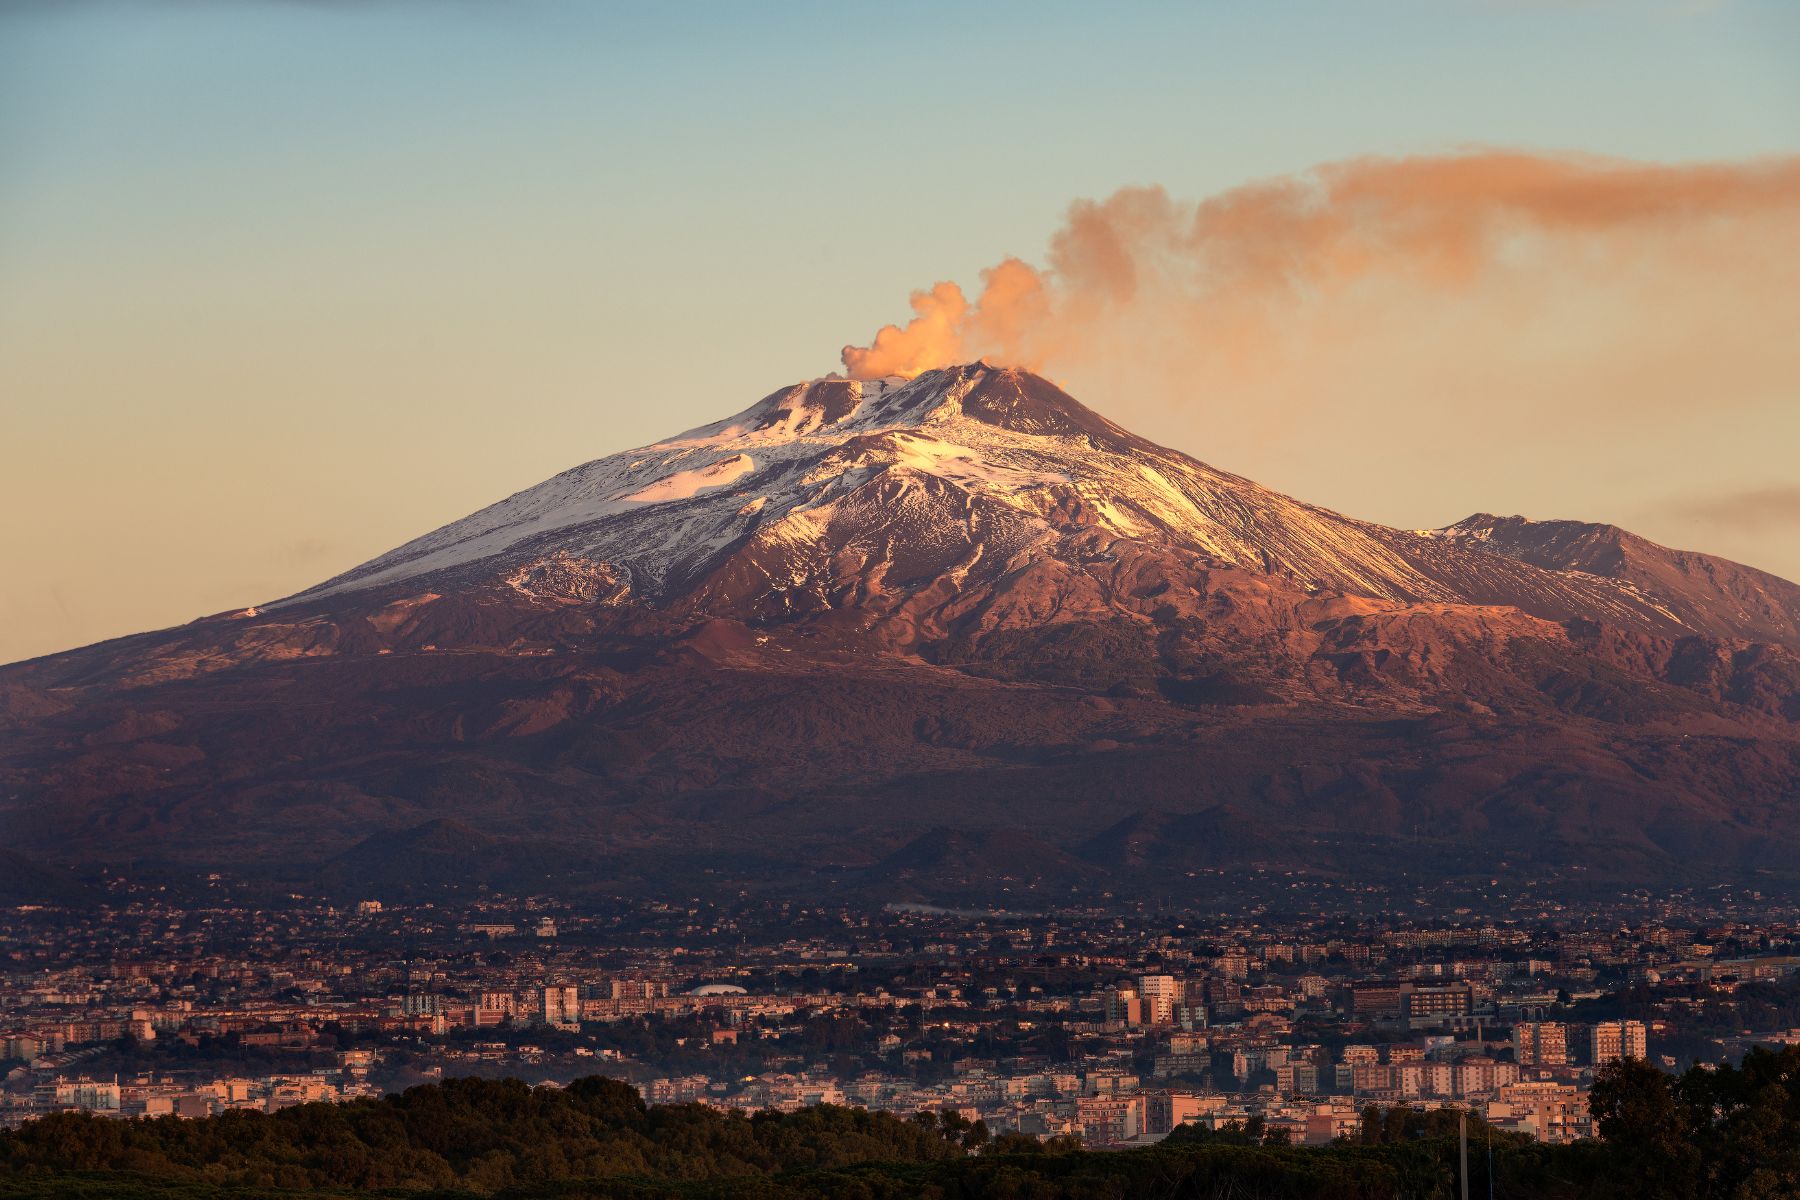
284, 283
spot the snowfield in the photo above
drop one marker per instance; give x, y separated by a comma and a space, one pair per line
956, 457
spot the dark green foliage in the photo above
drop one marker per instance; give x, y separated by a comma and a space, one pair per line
1390, 1126
475, 1134
1254, 1132
1730, 1134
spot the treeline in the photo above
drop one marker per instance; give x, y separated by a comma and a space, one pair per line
1713, 1133
1727, 1134
474, 1135
597, 1138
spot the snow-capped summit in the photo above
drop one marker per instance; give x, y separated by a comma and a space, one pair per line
857, 615
662, 513
835, 492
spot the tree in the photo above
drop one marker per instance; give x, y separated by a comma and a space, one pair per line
1744, 1123
1648, 1134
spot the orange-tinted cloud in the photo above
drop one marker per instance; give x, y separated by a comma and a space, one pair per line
1244, 281
1753, 508
932, 338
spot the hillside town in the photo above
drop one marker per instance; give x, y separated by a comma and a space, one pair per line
1114, 1024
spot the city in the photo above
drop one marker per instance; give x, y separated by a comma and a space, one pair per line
1114, 1025
1035, 601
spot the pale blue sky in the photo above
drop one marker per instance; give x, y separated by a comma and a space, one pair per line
283, 283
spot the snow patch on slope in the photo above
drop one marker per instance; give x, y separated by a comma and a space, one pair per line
873, 461
685, 485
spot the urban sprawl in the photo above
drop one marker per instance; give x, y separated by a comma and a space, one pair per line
1114, 1023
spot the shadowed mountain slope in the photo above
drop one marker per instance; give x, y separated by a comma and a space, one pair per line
908, 633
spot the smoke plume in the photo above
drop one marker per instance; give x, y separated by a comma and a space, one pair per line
1569, 258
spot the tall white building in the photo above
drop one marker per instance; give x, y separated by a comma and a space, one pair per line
1161, 993
1612, 1040
1541, 1044
562, 1006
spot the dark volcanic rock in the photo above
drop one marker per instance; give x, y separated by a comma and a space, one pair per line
24, 882
928, 638
1708, 594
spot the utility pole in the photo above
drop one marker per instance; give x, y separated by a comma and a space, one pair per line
1490, 1149
1462, 1130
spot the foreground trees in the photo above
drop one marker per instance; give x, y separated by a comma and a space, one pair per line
1726, 1134
476, 1134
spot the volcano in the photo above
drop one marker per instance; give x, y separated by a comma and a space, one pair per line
961, 612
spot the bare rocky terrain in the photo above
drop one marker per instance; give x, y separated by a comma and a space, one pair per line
957, 635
